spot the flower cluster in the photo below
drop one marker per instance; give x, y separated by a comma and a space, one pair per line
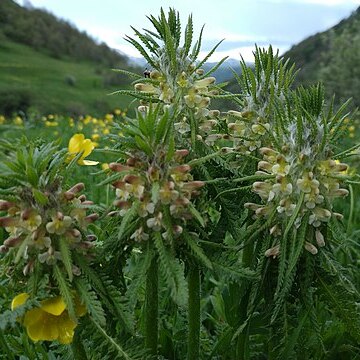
37, 225
294, 181
188, 88
158, 188
301, 183
51, 321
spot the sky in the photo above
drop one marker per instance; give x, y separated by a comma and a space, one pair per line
242, 23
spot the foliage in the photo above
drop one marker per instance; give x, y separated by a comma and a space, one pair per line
221, 235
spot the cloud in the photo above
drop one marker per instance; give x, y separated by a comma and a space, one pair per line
245, 51
320, 2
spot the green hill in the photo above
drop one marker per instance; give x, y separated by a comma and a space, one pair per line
48, 65
332, 57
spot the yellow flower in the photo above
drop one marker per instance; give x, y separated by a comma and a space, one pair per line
18, 121
78, 144
95, 137
50, 321
51, 123
2, 119
104, 166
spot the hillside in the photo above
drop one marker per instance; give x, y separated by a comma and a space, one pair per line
48, 65
333, 57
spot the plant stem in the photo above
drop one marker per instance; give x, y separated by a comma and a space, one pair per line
242, 343
194, 313
351, 214
78, 347
151, 307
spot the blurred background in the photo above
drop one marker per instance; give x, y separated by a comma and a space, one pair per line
56, 56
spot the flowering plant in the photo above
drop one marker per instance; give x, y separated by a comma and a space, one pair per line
226, 225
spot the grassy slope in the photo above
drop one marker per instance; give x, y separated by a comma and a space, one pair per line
24, 68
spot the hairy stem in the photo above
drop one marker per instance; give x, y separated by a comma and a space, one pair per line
242, 343
151, 307
194, 313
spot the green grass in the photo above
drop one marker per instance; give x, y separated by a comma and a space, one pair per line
44, 78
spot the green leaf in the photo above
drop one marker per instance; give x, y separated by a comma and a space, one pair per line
66, 257
40, 197
65, 291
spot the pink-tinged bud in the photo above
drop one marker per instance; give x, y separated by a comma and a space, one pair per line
234, 113
7, 221
3, 249
155, 75
181, 153
77, 188
121, 204
91, 237
149, 88
92, 217
82, 198
252, 206
25, 214
74, 233
268, 152
214, 113
28, 268
339, 193
264, 165
310, 248
75, 270
69, 195
5, 205
119, 185
88, 202
143, 108
131, 162
181, 202
338, 216
113, 213
340, 167
193, 185
227, 150
119, 167
86, 245
262, 211
60, 216
275, 230
177, 229
204, 82
13, 241
273, 252
132, 179
319, 238
181, 169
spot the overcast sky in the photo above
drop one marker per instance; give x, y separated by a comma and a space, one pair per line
242, 23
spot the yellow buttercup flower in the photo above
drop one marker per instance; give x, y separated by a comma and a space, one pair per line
50, 321
78, 144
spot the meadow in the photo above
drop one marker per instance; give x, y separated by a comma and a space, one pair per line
172, 229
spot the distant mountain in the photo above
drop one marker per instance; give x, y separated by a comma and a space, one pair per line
332, 57
48, 65
223, 73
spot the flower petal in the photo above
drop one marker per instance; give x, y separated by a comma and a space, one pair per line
19, 300
75, 143
54, 306
89, 162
